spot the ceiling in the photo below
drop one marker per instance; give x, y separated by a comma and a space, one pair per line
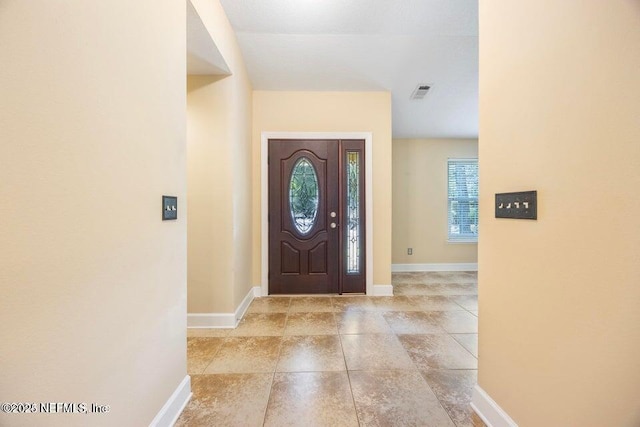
370, 45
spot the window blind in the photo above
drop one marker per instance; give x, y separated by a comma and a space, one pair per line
463, 200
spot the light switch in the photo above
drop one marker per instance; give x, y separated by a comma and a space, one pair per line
169, 208
520, 205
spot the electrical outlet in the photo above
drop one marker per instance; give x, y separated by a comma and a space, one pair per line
409, 251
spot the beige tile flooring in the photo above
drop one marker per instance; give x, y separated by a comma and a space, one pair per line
406, 360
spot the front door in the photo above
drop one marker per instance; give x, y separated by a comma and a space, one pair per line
316, 216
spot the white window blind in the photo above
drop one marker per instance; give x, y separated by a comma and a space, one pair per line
463, 200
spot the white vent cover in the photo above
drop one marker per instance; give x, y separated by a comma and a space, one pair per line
421, 91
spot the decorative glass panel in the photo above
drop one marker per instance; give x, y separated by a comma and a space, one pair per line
303, 195
353, 212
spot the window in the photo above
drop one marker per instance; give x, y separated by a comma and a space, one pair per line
353, 212
463, 200
303, 195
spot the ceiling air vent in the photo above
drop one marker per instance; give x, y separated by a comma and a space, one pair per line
421, 91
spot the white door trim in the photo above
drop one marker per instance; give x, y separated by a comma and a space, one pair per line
264, 192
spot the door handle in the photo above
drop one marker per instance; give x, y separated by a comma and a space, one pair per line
333, 225
332, 214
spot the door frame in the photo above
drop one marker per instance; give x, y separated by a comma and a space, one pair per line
264, 196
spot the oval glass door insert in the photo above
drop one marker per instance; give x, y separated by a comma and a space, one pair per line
303, 195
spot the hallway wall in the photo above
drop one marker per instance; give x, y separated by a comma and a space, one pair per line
331, 112
559, 297
219, 176
420, 201
92, 134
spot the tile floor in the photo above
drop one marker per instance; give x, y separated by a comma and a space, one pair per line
406, 360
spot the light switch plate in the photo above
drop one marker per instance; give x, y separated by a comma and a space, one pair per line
169, 208
520, 205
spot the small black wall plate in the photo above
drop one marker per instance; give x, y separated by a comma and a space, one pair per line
169, 208
520, 205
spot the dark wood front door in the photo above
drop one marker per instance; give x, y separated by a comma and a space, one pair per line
316, 216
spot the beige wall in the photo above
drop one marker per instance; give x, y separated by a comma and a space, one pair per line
559, 297
331, 112
92, 134
219, 176
420, 201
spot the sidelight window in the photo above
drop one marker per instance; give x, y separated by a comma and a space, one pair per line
353, 212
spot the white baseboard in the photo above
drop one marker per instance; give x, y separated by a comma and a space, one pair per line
223, 320
257, 291
211, 320
244, 305
382, 290
490, 412
404, 268
174, 406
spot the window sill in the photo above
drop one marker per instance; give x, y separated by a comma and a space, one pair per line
464, 241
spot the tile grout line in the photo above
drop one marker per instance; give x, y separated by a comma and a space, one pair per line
224, 340
441, 404
438, 399
346, 367
463, 346
266, 407
275, 367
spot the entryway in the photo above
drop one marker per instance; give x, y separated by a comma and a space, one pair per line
316, 216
